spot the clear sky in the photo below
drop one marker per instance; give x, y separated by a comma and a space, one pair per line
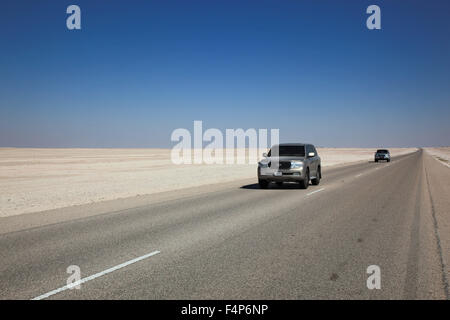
137, 70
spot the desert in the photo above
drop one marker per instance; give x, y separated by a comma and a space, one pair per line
39, 179
441, 154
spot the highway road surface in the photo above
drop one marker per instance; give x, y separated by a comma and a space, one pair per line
237, 241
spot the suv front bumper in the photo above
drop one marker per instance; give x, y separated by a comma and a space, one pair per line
269, 174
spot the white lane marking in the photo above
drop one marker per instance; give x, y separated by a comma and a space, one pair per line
358, 175
315, 191
102, 273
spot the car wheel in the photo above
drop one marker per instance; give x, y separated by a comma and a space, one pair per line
316, 181
305, 182
376, 160
389, 160
263, 184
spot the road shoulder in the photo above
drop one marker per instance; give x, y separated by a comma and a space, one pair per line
438, 184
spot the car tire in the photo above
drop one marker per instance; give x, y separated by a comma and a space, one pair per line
263, 184
376, 160
389, 160
316, 181
305, 182
279, 183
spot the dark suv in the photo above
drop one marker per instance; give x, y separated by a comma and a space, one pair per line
382, 154
290, 162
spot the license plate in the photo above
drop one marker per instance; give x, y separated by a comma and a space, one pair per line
278, 174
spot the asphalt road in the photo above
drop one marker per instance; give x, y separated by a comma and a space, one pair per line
241, 242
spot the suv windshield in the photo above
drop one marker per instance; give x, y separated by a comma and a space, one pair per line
291, 151
382, 151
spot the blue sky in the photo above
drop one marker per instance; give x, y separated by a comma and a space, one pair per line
140, 69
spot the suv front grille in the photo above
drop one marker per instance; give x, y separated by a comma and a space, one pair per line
285, 165
281, 165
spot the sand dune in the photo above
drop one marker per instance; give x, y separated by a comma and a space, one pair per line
34, 180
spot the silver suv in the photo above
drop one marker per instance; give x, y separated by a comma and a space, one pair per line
382, 154
290, 162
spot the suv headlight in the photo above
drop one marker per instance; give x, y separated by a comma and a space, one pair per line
263, 164
296, 164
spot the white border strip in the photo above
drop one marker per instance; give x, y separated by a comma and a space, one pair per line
94, 276
315, 191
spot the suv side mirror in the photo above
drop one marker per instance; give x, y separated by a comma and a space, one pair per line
265, 155
311, 154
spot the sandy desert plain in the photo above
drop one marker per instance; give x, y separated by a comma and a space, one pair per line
33, 180
441, 154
